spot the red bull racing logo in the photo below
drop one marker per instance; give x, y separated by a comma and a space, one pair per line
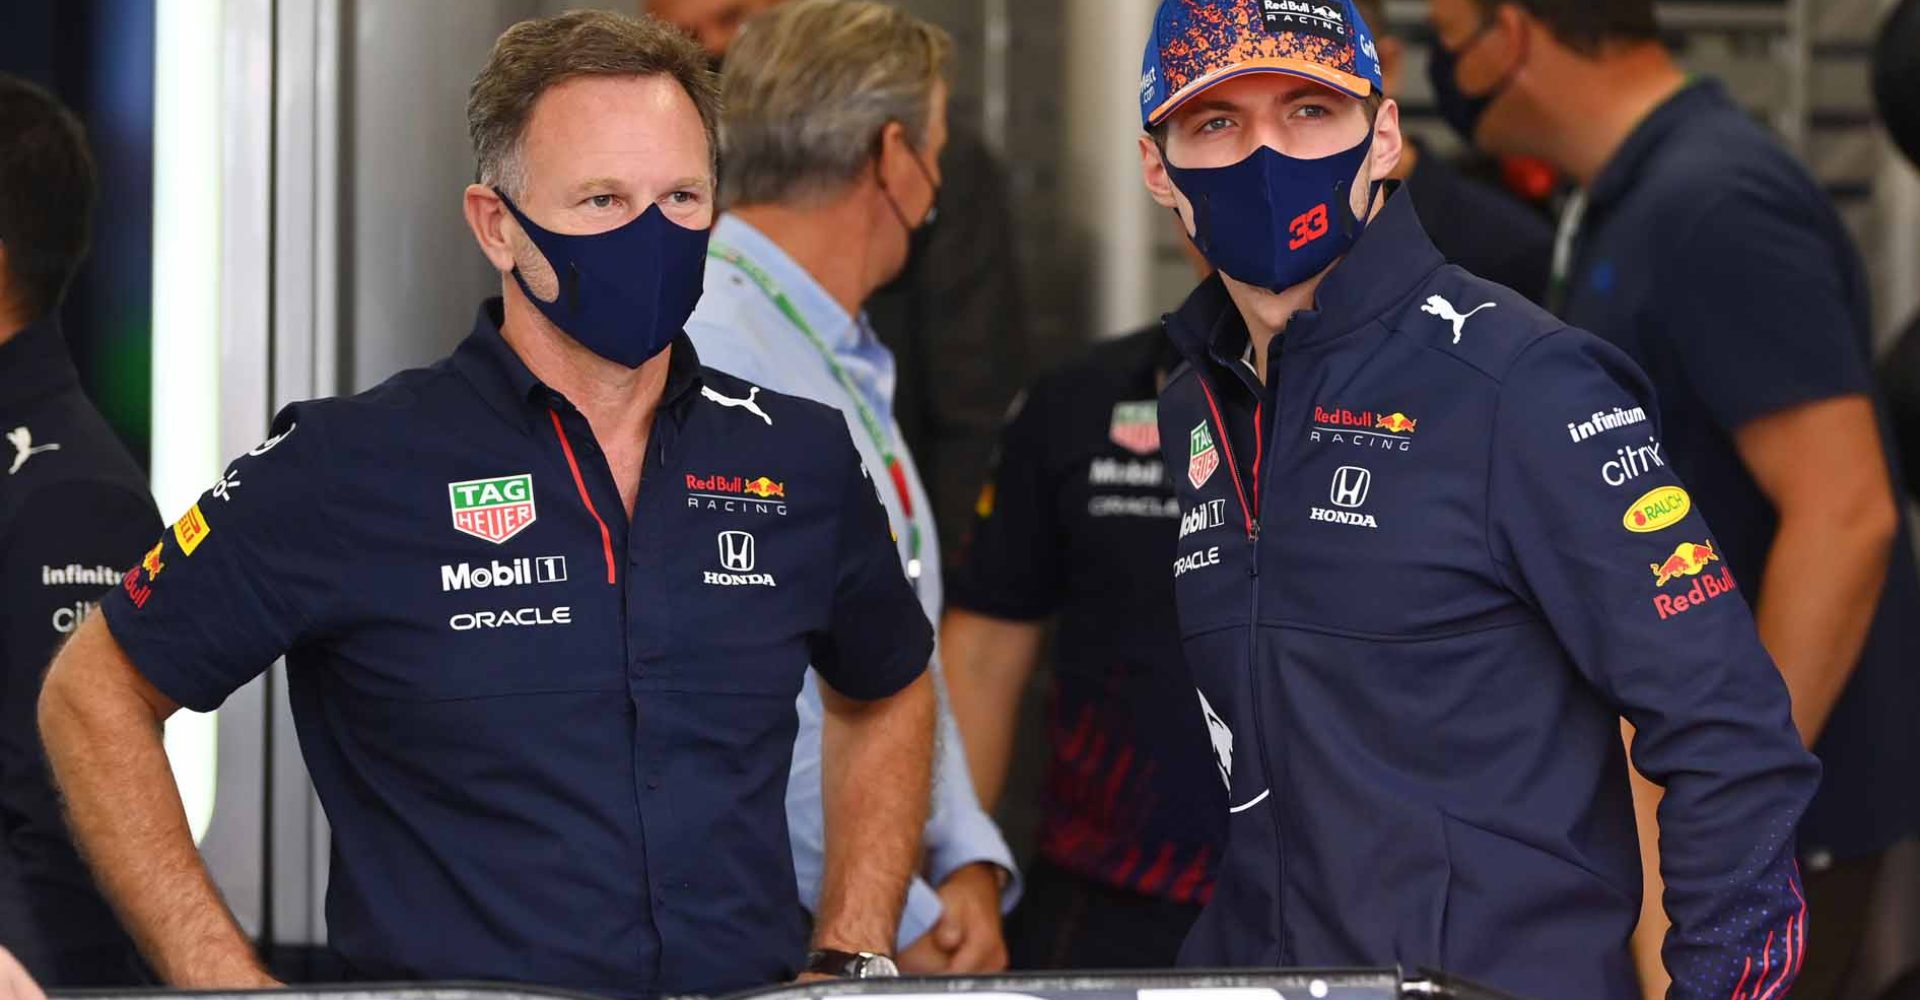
1690, 559
737, 494
1363, 428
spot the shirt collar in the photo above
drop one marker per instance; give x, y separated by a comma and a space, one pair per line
1622, 171
827, 318
34, 363
1391, 258
508, 385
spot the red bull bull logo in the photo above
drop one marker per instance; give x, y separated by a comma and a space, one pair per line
1688, 560
138, 590
765, 488
1397, 423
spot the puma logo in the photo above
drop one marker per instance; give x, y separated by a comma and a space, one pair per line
1437, 306
23, 448
746, 404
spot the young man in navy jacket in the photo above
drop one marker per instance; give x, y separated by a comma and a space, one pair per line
1427, 605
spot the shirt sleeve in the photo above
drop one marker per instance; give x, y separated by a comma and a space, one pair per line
244, 575
1631, 583
1009, 566
877, 640
1759, 314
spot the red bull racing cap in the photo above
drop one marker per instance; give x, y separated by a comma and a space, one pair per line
1198, 43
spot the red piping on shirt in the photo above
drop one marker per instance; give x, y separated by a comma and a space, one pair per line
606, 539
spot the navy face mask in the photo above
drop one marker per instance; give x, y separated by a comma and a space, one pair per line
625, 293
1274, 221
1462, 111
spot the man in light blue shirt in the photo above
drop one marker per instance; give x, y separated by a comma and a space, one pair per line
834, 118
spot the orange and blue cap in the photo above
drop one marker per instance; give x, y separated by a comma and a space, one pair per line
1198, 43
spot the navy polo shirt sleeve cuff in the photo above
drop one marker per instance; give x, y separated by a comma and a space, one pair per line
884, 679
160, 660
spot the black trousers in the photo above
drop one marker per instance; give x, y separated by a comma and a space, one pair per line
1863, 936
1066, 921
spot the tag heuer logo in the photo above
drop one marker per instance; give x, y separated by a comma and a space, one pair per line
1202, 458
493, 509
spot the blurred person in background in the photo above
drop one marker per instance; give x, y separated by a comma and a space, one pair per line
952, 317
1473, 224
1896, 86
1075, 529
833, 122
1418, 626
1702, 248
74, 514
549, 718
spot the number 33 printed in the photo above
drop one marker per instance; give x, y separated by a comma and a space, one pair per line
1308, 227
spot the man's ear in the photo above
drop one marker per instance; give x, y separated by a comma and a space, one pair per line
1153, 170
489, 219
1388, 141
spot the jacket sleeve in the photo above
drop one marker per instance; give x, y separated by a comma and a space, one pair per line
1630, 580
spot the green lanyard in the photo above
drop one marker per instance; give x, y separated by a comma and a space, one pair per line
881, 436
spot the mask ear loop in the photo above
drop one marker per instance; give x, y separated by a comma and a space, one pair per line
933, 210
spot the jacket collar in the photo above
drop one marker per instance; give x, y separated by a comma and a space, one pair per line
1391, 258
508, 385
34, 364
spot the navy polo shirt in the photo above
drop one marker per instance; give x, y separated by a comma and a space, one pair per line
74, 514
552, 742
1079, 523
1712, 257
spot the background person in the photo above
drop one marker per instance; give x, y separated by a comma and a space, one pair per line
835, 115
1075, 530
74, 514
952, 317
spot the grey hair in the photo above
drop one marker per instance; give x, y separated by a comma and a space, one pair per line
808, 87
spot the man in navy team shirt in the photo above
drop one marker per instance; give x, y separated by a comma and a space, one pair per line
547, 703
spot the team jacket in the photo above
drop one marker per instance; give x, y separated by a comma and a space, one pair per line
1416, 610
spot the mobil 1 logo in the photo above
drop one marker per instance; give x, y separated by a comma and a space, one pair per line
521, 572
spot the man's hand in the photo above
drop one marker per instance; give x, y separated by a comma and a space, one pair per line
969, 929
15, 984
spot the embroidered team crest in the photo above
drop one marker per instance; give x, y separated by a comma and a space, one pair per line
1202, 457
1136, 427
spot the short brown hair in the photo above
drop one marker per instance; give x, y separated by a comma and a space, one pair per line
535, 56
1586, 26
810, 85
46, 195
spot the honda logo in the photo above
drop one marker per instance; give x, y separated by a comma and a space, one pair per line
1350, 485
736, 551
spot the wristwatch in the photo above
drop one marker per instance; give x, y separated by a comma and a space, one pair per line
851, 964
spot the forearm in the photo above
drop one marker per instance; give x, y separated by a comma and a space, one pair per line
104, 744
876, 762
1651, 932
988, 664
1820, 591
